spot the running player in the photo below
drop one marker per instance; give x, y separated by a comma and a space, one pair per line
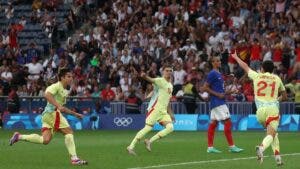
53, 120
159, 110
267, 87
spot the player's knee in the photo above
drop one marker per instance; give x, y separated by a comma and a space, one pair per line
214, 122
271, 130
46, 141
170, 127
272, 133
69, 138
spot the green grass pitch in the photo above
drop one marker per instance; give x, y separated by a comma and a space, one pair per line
180, 150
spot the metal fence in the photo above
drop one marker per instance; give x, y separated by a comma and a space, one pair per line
36, 105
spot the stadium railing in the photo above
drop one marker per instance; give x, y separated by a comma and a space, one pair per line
86, 105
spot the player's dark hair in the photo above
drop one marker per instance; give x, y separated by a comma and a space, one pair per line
268, 66
62, 72
167, 66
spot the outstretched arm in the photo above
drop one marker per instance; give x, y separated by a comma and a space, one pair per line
49, 97
143, 75
146, 77
242, 64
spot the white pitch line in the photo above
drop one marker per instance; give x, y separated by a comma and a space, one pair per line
208, 161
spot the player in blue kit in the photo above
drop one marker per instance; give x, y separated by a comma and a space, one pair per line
214, 85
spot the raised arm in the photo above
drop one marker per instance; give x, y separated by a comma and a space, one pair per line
242, 64
146, 77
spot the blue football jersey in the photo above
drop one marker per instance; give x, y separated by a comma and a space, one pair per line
216, 83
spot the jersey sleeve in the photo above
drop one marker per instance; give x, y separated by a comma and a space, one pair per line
52, 89
210, 78
252, 74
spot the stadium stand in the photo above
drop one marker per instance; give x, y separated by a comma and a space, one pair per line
102, 41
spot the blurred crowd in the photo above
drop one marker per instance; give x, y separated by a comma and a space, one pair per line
118, 39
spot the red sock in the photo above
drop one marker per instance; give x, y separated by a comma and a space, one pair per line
211, 134
227, 132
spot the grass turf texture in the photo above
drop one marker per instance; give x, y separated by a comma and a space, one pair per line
107, 150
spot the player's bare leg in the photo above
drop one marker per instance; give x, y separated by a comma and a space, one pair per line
69, 141
131, 151
276, 150
167, 130
259, 154
14, 138
138, 137
32, 138
267, 141
148, 144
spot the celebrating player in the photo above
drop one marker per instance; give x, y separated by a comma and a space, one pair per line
53, 120
267, 86
159, 110
214, 85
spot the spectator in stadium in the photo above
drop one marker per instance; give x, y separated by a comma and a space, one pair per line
51, 4
12, 36
179, 75
193, 75
247, 88
82, 44
35, 17
190, 95
125, 83
125, 58
23, 21
232, 84
36, 5
6, 75
34, 69
9, 12
52, 60
255, 55
119, 94
277, 51
13, 103
31, 52
80, 88
155, 31
132, 103
107, 95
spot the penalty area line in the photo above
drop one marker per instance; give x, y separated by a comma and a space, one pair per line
208, 161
